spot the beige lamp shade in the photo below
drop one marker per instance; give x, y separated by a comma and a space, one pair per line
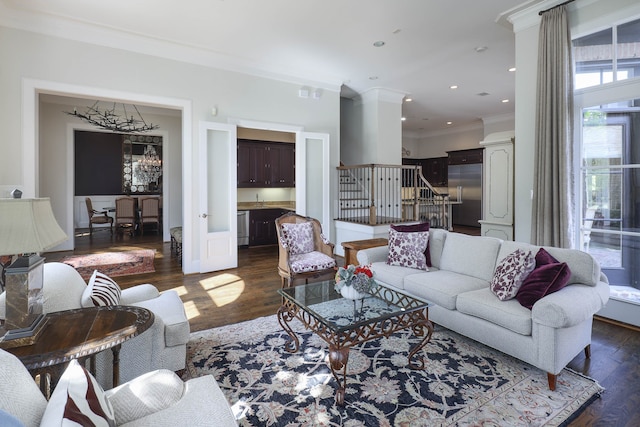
28, 226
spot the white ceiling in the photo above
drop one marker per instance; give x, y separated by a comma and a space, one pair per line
429, 44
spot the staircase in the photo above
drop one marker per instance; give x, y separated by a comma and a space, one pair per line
384, 194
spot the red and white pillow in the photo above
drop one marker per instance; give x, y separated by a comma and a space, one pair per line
101, 291
511, 273
78, 400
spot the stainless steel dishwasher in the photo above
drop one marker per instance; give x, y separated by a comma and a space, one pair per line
243, 228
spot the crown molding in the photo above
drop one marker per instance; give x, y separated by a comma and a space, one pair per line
95, 34
379, 94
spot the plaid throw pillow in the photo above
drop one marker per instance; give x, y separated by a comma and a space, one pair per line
101, 291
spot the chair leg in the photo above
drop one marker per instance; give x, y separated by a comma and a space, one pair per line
552, 380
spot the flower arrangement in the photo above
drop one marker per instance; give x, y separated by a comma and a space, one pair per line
360, 278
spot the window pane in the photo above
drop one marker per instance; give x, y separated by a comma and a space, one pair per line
628, 50
593, 55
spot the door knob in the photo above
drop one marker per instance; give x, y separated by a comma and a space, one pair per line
204, 215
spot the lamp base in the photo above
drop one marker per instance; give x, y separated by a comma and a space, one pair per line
23, 336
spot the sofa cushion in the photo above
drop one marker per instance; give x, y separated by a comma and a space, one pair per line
391, 274
101, 291
413, 228
312, 261
298, 238
78, 399
442, 287
484, 304
473, 256
407, 249
510, 273
437, 237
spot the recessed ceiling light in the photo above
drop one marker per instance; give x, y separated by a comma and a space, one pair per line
481, 49
408, 99
379, 43
505, 101
403, 118
453, 87
512, 69
449, 123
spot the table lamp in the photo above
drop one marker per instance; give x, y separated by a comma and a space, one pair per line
27, 227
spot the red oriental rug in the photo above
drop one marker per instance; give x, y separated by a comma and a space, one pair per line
113, 263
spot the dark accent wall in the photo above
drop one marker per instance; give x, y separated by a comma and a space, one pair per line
98, 163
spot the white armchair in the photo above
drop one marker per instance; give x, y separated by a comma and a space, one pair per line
159, 399
162, 346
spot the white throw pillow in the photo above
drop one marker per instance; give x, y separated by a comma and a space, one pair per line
78, 400
101, 291
510, 274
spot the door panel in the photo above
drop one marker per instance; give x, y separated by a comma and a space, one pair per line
218, 203
313, 177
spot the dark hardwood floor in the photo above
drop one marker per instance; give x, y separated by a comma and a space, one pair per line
249, 291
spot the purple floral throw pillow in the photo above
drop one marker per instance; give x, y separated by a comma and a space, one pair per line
298, 237
407, 249
510, 274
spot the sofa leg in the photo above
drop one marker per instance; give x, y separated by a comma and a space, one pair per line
587, 351
552, 381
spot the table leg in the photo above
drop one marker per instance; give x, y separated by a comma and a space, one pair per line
338, 358
418, 330
285, 315
116, 364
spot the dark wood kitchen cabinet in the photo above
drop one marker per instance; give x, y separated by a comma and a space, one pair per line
262, 226
252, 170
435, 170
282, 160
265, 164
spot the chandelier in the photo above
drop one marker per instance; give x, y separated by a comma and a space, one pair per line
148, 168
109, 120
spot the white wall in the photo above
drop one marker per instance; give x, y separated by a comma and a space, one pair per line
436, 144
35, 57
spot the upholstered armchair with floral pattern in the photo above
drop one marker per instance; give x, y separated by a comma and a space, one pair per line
305, 254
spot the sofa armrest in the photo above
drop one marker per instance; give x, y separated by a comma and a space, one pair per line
201, 404
138, 293
571, 305
371, 255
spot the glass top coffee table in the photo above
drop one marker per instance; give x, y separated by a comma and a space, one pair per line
345, 323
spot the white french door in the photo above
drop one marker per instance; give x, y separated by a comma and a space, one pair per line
217, 202
313, 181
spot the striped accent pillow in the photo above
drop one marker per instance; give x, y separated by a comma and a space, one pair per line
78, 400
101, 291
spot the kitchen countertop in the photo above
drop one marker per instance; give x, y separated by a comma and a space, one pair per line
250, 206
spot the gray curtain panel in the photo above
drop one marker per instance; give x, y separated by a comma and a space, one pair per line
553, 189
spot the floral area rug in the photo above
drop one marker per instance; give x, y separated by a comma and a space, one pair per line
464, 384
113, 263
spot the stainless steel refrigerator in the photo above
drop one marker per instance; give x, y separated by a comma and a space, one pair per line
465, 191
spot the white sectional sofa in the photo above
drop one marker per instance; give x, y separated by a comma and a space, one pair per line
548, 336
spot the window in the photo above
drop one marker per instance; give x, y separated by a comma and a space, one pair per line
608, 55
609, 160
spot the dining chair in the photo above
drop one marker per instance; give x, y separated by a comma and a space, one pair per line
150, 212
97, 217
126, 214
